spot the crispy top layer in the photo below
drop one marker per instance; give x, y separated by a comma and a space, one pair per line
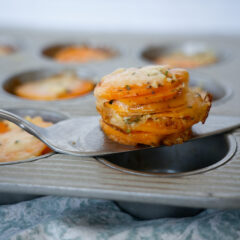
131, 82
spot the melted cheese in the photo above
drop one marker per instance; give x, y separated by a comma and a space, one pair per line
153, 75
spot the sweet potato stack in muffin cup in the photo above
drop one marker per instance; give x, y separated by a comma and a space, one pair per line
180, 59
64, 85
16, 144
151, 105
81, 54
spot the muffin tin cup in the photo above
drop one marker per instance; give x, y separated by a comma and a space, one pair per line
189, 158
46, 115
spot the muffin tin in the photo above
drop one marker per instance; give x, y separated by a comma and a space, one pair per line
213, 182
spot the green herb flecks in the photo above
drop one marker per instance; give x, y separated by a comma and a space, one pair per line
128, 130
133, 119
128, 87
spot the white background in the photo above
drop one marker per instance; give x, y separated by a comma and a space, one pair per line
136, 16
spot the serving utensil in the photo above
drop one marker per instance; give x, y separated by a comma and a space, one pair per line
82, 136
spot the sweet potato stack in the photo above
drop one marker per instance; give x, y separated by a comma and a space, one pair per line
16, 144
152, 105
64, 85
82, 54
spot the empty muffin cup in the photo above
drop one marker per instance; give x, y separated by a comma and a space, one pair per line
46, 116
50, 84
189, 158
78, 53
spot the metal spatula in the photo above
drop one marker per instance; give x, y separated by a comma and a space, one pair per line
82, 136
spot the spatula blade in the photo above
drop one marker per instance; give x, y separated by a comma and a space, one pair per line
83, 137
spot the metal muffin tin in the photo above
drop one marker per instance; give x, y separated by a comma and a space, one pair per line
213, 185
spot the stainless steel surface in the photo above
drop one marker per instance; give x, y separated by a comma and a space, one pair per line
83, 137
190, 158
84, 176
